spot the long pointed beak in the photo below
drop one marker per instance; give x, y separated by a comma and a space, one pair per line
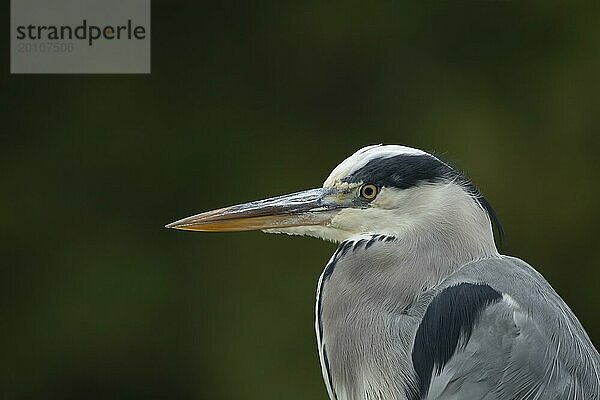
310, 207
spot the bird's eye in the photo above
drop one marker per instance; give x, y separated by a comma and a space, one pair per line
368, 191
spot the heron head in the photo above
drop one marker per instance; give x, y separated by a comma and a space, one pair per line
379, 189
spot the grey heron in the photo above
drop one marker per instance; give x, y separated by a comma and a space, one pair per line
417, 302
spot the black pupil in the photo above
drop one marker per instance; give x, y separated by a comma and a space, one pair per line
368, 191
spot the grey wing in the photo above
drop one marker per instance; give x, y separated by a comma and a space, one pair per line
514, 339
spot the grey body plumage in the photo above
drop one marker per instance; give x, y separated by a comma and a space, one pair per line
416, 302
525, 345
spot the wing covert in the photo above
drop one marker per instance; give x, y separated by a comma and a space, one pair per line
509, 346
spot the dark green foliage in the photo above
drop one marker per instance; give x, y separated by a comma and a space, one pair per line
250, 100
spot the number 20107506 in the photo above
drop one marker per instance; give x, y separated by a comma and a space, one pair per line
45, 47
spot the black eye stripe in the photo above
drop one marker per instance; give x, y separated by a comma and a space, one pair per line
405, 171
402, 171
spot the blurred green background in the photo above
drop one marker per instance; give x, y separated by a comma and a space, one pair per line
252, 99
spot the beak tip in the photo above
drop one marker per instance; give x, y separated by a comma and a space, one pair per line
172, 225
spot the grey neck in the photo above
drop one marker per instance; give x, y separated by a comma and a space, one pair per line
425, 254
371, 294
